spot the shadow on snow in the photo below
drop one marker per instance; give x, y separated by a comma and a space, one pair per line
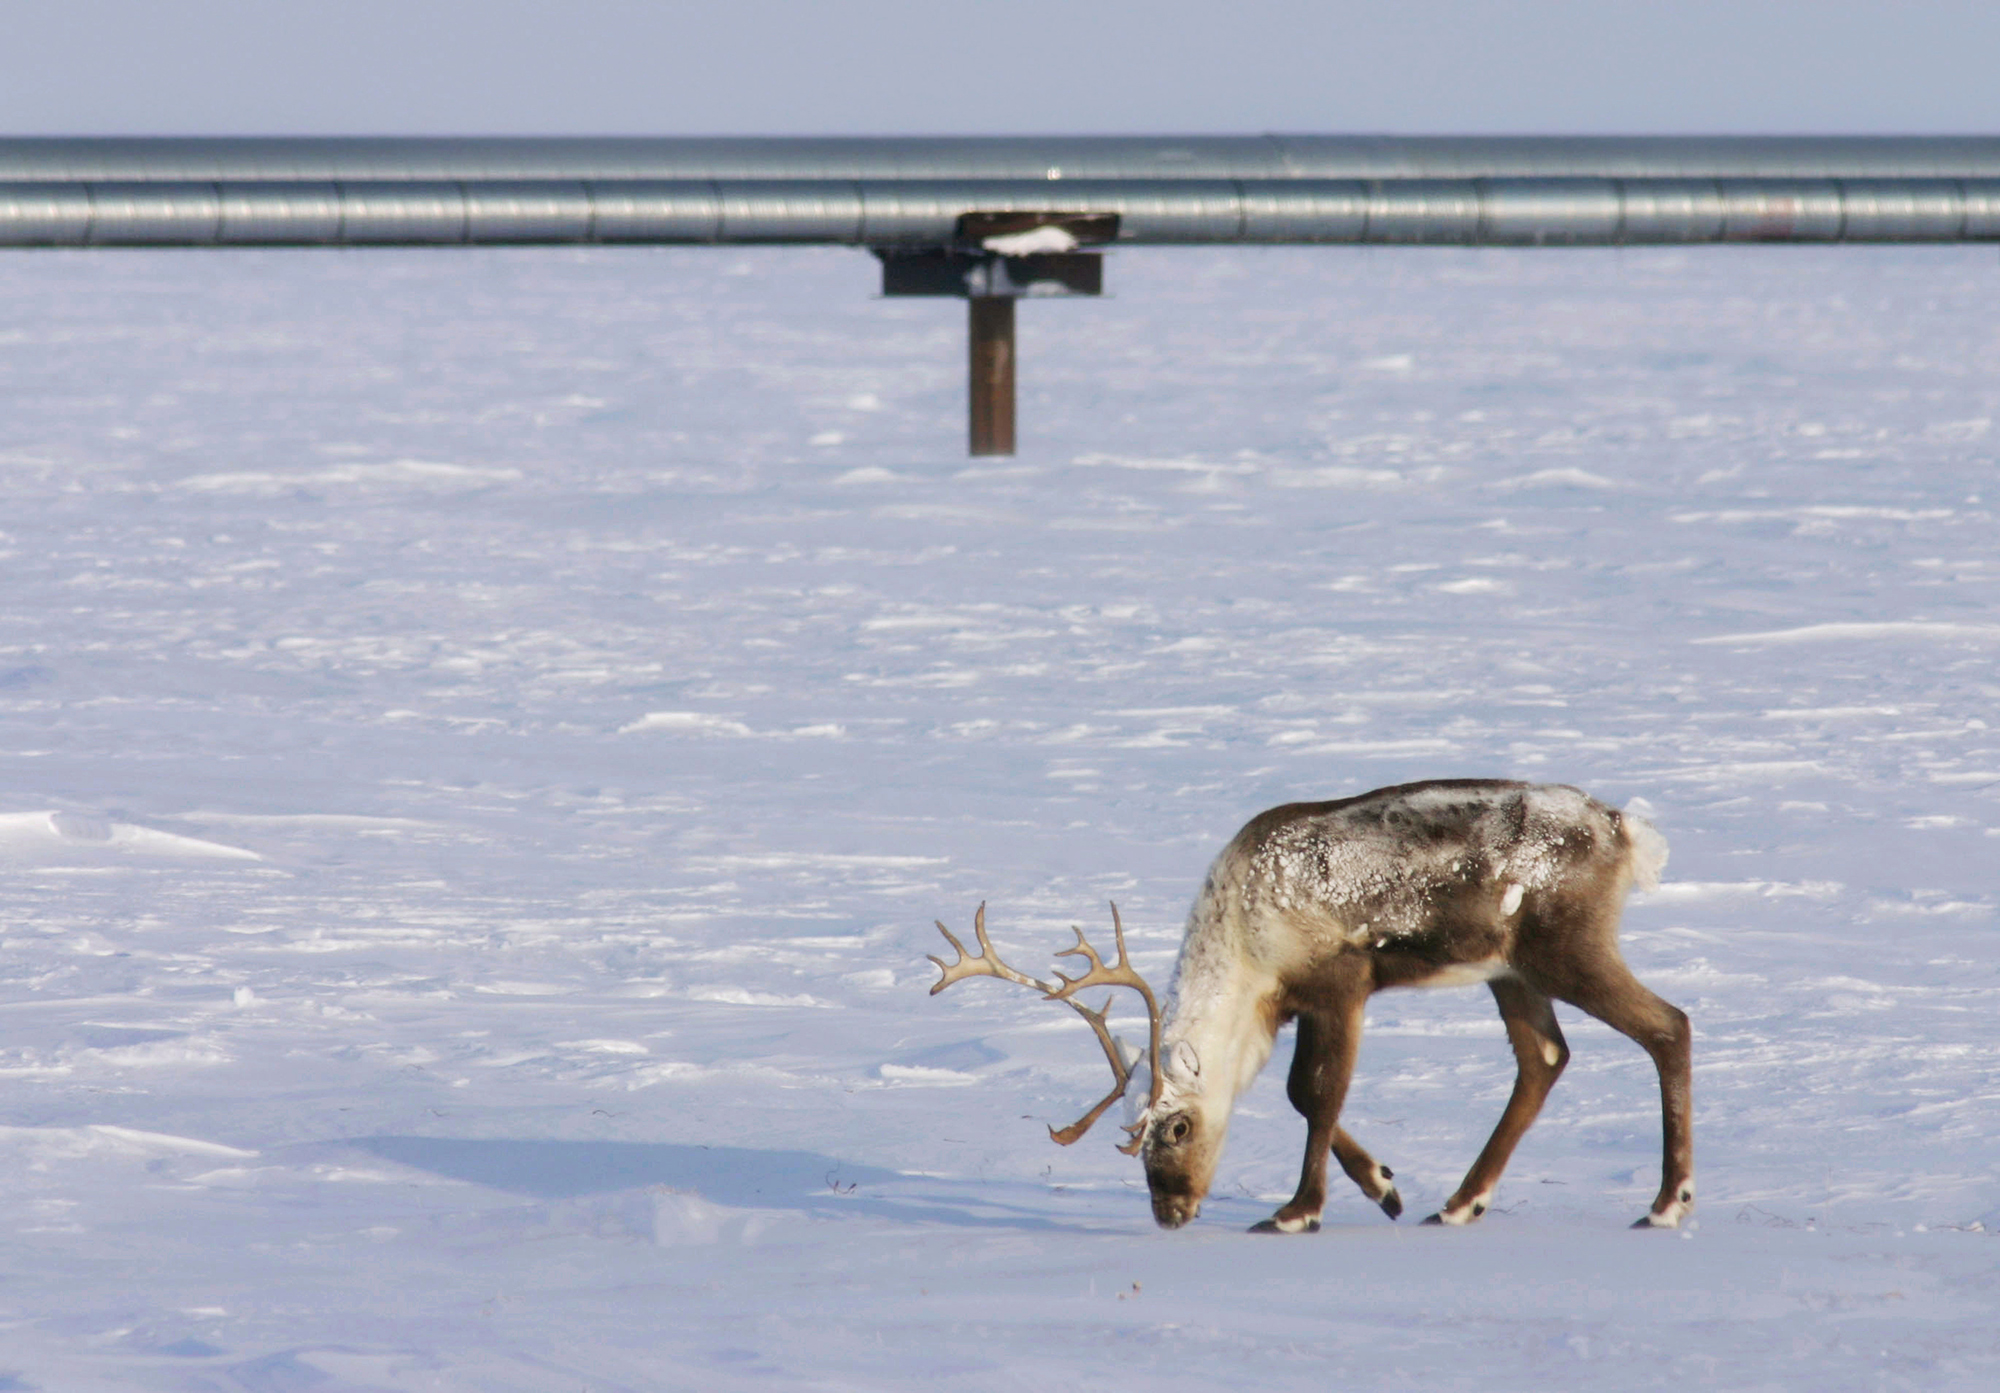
735, 1176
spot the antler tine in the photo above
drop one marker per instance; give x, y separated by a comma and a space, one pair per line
1097, 974
1120, 1071
1076, 1129
986, 964
1101, 1028
1120, 974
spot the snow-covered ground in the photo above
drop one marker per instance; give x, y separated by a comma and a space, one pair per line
485, 735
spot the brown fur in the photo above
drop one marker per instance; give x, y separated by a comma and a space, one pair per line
1441, 861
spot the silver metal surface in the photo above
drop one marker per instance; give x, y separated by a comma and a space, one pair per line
154, 214
1782, 210
655, 211
1671, 210
256, 214
528, 210
1542, 212
896, 193
402, 213
1466, 212
1982, 210
790, 210
1305, 210
1909, 210
1423, 211
37, 215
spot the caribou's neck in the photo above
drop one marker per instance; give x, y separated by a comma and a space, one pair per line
1223, 1017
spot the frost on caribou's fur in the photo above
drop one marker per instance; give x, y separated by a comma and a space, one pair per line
1378, 865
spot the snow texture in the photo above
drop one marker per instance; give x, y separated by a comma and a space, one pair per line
486, 735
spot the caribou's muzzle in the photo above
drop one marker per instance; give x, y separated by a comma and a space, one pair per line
1174, 1204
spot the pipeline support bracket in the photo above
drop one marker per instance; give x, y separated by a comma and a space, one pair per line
999, 258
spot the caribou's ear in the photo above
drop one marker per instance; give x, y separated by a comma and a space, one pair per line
1183, 1065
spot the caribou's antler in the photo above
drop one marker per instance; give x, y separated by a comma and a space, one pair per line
1064, 989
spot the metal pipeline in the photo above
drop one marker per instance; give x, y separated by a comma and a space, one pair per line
1468, 212
910, 193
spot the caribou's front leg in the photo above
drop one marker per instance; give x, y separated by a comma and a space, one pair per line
1322, 1064
1539, 1056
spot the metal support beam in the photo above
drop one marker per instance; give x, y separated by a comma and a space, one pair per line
990, 319
994, 260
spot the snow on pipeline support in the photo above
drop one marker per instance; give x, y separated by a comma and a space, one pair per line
994, 219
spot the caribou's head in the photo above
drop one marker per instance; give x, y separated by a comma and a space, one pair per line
1179, 1147
1180, 1140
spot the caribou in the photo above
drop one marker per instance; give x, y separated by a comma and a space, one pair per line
1314, 907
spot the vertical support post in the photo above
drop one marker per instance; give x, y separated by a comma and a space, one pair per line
991, 326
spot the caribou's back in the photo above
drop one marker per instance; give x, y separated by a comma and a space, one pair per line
1437, 881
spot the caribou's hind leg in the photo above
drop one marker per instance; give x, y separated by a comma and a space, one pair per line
1322, 1064
1608, 990
1539, 1056
1376, 1180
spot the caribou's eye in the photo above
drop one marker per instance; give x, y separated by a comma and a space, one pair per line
1177, 1131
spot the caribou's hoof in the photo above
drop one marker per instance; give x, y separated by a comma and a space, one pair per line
1467, 1215
1277, 1225
1392, 1204
1669, 1210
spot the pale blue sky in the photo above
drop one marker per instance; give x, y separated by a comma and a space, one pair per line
896, 66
